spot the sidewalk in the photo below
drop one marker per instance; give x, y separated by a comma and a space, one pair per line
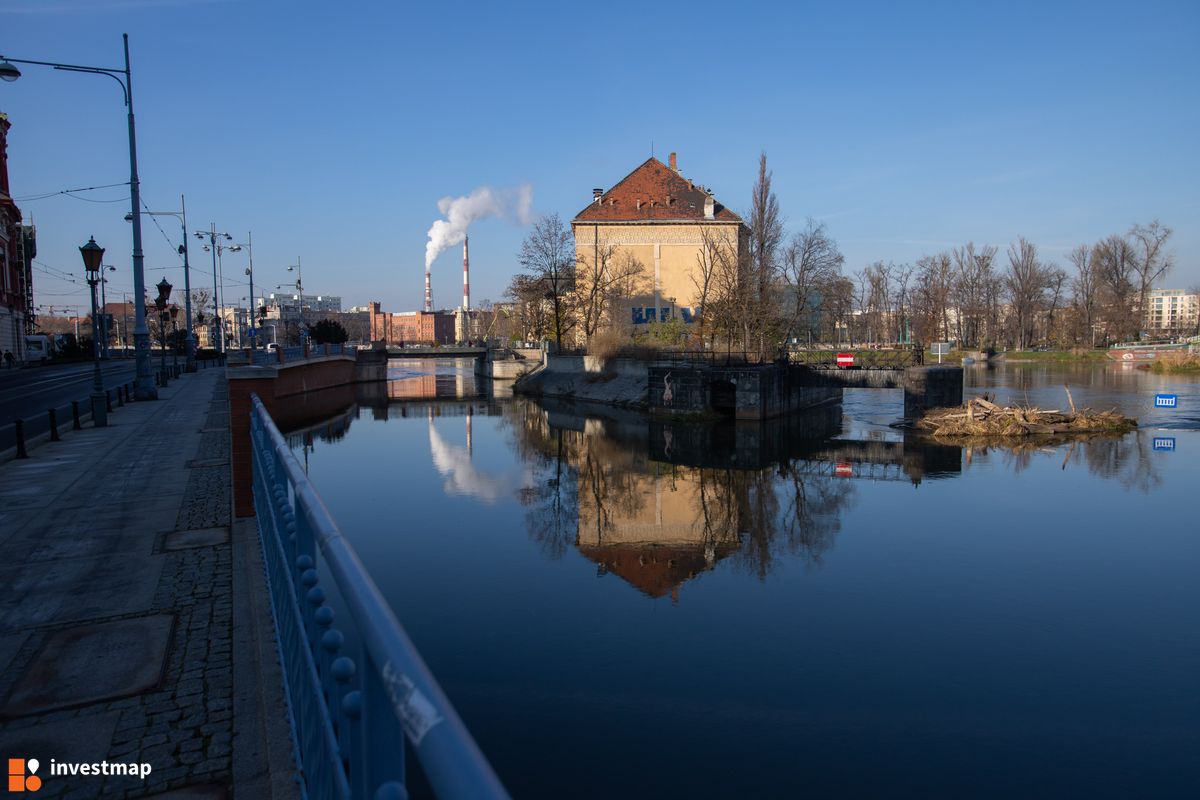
134, 625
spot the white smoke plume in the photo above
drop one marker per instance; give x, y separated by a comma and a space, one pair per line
459, 212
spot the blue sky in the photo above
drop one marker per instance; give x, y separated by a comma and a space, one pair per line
331, 130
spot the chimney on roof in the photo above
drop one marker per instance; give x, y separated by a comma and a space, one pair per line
710, 207
596, 195
671, 161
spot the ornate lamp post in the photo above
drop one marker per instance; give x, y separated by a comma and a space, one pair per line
160, 302
144, 382
93, 254
174, 335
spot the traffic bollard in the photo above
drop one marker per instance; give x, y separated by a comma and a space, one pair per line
19, 426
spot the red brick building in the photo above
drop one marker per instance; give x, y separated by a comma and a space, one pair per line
17, 250
411, 327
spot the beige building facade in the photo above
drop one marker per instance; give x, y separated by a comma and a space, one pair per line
671, 226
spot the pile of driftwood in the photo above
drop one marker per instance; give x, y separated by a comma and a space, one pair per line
981, 417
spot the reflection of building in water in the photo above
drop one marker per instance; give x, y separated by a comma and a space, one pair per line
658, 503
456, 383
650, 531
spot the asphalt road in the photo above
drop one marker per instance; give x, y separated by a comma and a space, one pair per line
28, 393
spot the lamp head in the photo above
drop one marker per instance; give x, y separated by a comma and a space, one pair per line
92, 254
9, 72
164, 289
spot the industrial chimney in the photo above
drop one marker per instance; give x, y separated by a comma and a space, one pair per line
466, 275
428, 293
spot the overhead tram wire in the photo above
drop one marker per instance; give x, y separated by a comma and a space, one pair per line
71, 192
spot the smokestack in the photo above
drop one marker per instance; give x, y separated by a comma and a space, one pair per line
428, 292
674, 168
466, 275
597, 194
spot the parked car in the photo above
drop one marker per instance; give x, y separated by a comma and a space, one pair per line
273, 347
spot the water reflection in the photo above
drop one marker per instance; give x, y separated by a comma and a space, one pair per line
659, 502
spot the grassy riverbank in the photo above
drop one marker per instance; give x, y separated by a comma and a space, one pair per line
1176, 363
1057, 356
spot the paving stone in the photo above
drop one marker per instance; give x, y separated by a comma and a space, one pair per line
201, 537
90, 663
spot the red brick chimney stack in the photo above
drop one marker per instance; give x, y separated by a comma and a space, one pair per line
674, 166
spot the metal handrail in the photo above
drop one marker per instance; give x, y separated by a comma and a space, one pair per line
346, 747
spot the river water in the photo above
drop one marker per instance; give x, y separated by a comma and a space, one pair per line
824, 606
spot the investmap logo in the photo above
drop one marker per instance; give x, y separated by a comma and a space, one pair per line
22, 775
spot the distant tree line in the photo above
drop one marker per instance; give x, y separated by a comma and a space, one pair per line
770, 288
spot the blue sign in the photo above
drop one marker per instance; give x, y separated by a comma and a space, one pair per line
1164, 442
1166, 401
252, 333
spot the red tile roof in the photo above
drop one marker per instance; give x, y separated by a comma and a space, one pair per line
653, 191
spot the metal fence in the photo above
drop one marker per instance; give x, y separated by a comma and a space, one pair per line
19, 434
352, 707
897, 358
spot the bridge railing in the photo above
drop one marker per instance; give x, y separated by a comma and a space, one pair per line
352, 708
897, 358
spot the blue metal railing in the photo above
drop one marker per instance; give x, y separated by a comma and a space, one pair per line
350, 715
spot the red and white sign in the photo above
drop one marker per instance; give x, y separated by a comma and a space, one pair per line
843, 470
845, 359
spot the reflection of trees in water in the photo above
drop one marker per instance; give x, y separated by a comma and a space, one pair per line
597, 490
1127, 459
552, 498
772, 511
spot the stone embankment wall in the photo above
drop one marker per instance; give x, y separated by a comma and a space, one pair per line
292, 391
617, 381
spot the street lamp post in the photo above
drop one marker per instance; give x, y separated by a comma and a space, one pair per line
235, 248
174, 335
299, 288
181, 215
104, 309
160, 302
92, 254
144, 382
216, 247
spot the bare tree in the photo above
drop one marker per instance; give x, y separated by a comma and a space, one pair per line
810, 261
766, 234
716, 257
973, 278
1056, 281
1150, 261
1113, 259
1084, 290
1026, 282
935, 278
548, 256
604, 277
